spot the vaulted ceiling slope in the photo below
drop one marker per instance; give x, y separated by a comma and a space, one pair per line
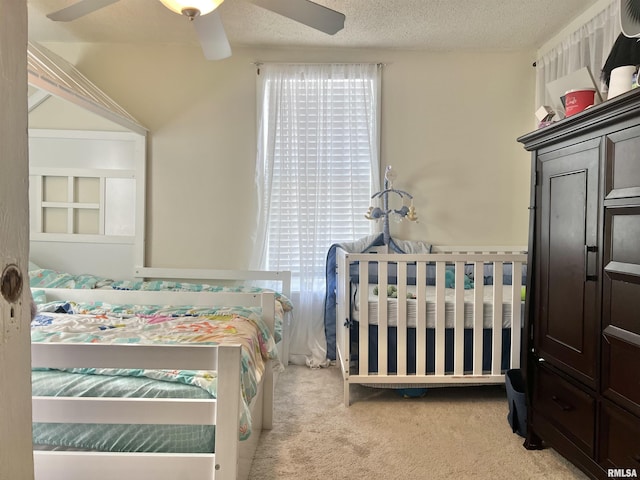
52, 75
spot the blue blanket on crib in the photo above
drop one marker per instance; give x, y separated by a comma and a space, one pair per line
359, 246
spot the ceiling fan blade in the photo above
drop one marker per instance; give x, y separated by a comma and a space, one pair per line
307, 12
79, 9
630, 18
213, 38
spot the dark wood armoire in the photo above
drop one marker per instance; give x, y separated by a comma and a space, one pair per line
582, 341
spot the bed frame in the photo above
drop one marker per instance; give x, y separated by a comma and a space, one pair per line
277, 280
232, 458
357, 372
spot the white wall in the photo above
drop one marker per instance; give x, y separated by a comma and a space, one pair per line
450, 123
16, 461
574, 25
449, 128
58, 113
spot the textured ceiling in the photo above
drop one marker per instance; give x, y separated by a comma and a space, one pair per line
495, 25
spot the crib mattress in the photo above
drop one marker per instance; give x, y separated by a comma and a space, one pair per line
392, 307
119, 438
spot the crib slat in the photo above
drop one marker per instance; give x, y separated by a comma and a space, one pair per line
383, 318
363, 329
516, 316
496, 357
440, 306
402, 319
458, 366
421, 318
343, 314
478, 316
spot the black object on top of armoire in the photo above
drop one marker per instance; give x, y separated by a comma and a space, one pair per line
581, 352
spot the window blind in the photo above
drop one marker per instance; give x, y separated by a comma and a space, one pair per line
322, 167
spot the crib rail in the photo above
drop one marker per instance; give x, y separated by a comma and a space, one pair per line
431, 304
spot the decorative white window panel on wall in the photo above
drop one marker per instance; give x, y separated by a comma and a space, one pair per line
84, 186
119, 196
82, 204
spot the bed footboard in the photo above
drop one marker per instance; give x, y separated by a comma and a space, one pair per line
428, 319
277, 280
222, 412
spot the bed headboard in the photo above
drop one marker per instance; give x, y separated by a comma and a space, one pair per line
87, 188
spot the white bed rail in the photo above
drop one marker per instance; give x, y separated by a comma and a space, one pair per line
223, 412
202, 274
278, 280
421, 262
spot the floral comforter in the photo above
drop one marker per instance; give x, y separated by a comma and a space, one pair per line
103, 323
46, 278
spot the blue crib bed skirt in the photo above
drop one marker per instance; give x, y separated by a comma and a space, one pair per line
392, 342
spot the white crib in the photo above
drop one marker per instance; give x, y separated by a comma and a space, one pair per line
428, 332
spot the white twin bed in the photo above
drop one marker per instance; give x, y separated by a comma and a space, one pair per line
188, 384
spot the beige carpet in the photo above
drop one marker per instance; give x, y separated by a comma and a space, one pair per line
451, 433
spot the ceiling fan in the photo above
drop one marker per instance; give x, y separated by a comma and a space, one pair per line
208, 24
630, 18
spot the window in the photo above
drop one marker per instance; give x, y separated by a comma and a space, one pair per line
321, 122
317, 167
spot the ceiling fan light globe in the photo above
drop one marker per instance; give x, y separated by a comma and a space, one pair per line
189, 7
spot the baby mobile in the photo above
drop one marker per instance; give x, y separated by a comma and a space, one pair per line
377, 213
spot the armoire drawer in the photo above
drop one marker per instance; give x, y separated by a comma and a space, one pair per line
568, 408
620, 438
621, 368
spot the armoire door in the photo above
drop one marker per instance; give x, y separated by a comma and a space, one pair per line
567, 251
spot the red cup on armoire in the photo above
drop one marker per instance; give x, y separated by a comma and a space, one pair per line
575, 101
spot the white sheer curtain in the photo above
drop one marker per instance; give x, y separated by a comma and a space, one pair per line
589, 46
317, 166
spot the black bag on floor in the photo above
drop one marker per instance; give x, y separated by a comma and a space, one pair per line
517, 416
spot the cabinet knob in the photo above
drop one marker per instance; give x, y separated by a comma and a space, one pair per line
563, 405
